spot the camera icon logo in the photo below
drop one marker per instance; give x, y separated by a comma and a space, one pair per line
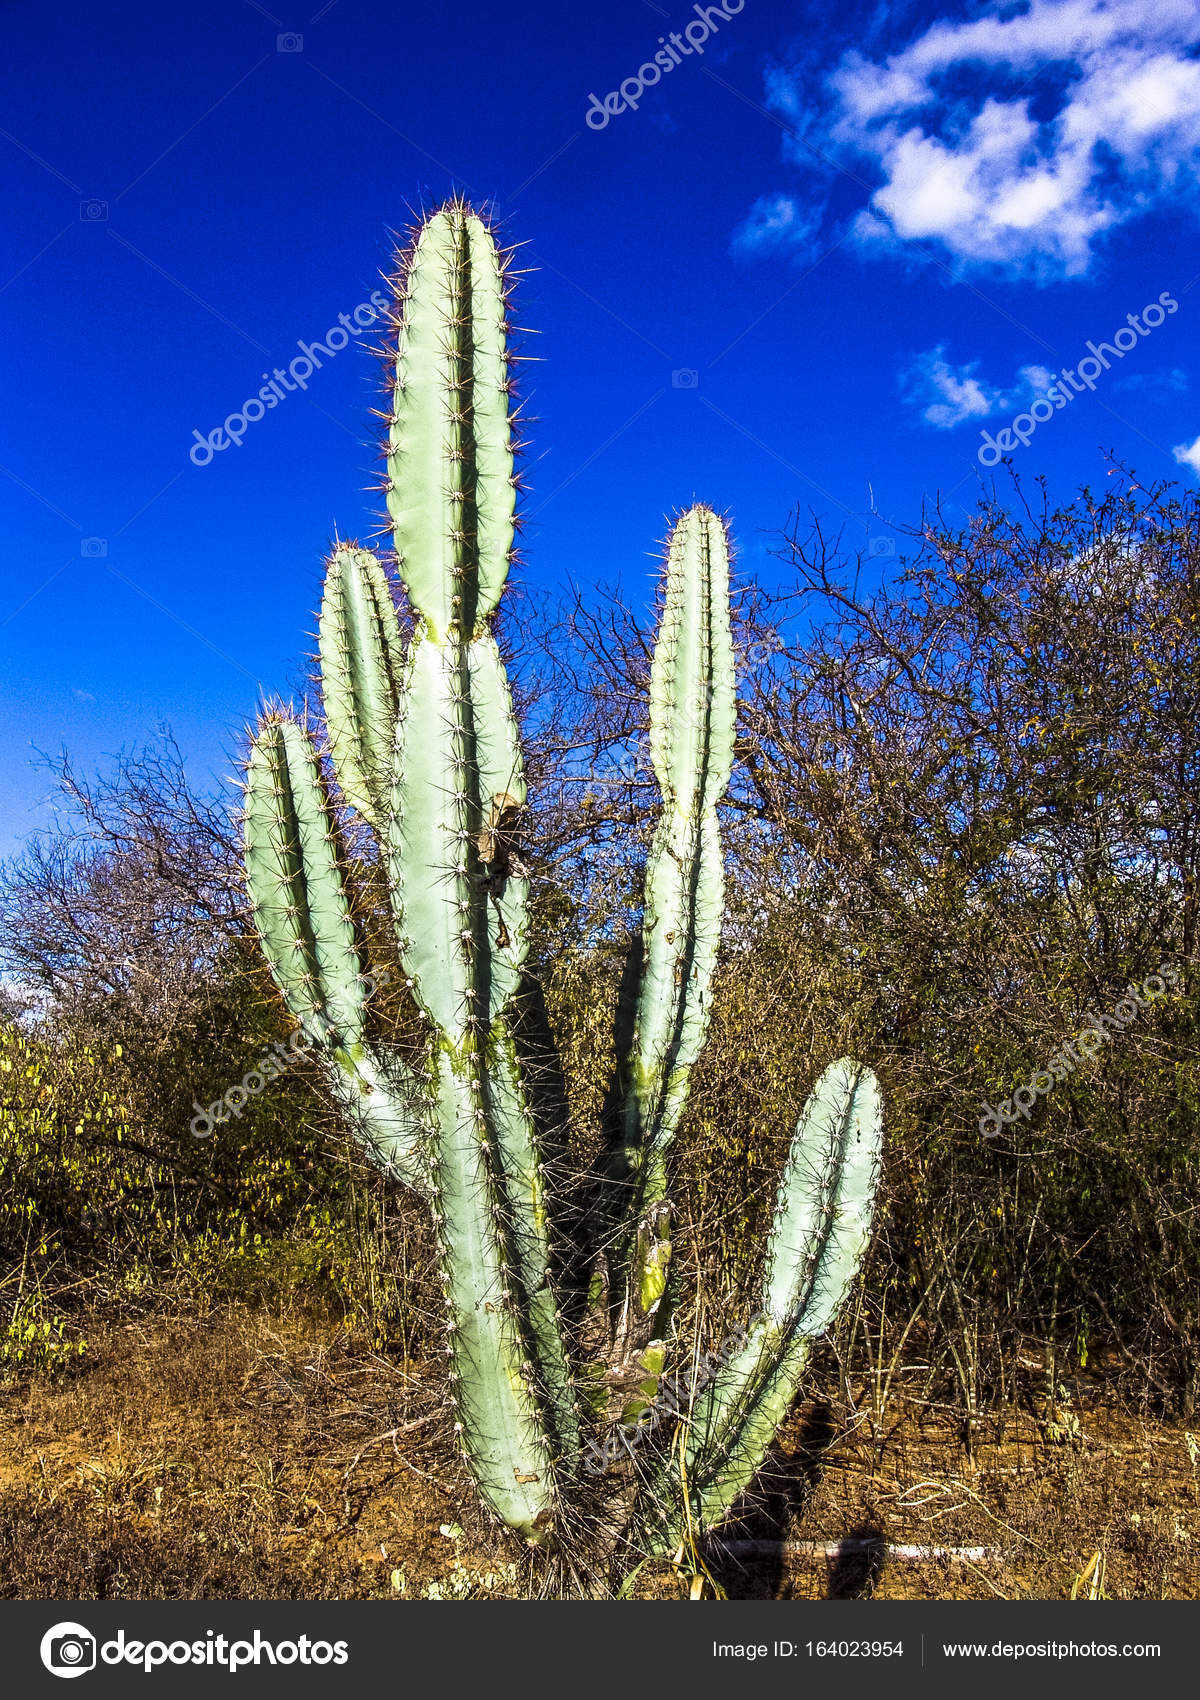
880, 546
289, 43
68, 1649
93, 548
685, 378
93, 212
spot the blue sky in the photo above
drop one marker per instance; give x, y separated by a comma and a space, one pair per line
808, 264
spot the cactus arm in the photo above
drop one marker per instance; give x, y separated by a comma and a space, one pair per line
297, 888
387, 1108
451, 495
361, 663
499, 1415
301, 908
692, 682
826, 1199
684, 930
821, 1230
692, 723
529, 1233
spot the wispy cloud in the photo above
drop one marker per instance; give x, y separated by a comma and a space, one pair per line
1016, 141
949, 395
776, 223
1176, 380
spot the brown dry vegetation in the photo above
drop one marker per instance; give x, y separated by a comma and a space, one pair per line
255, 1456
239, 1455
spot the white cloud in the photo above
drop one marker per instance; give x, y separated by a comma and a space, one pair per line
1188, 454
949, 395
1019, 140
776, 222
1033, 381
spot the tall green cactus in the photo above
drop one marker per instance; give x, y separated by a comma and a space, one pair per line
692, 714
423, 745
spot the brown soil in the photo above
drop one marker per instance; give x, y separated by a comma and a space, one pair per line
1086, 1497
244, 1456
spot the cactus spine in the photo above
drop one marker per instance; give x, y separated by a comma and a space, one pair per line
423, 745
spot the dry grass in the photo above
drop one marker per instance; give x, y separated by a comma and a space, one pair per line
241, 1457
248, 1456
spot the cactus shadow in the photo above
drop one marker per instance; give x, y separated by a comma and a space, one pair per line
855, 1572
607, 1189
773, 1510
545, 1083
624, 1025
546, 1094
